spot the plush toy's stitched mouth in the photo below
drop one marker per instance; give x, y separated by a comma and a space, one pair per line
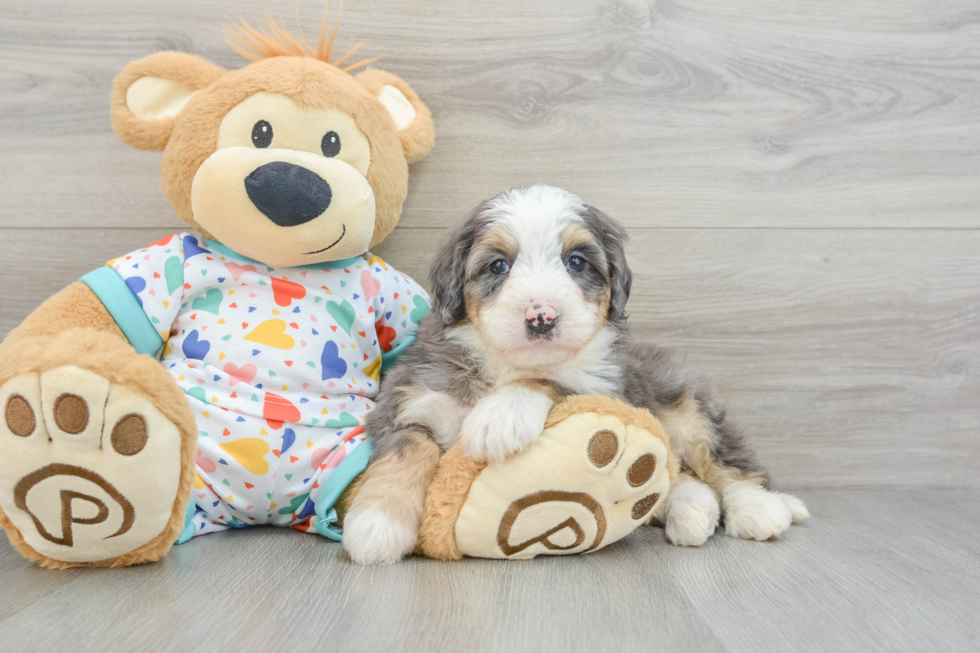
343, 231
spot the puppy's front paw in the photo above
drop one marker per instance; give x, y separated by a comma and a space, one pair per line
372, 537
504, 423
754, 513
692, 514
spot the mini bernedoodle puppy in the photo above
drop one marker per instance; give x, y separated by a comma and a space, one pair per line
529, 305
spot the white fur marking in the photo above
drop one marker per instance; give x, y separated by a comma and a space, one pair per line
504, 422
796, 507
692, 514
753, 513
372, 537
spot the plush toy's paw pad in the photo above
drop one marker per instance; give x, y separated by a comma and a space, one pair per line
88, 470
753, 513
586, 482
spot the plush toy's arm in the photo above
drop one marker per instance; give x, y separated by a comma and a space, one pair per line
74, 307
108, 299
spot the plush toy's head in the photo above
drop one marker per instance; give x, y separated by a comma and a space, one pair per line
290, 160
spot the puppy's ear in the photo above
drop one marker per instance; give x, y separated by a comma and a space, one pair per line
412, 118
150, 92
447, 274
612, 236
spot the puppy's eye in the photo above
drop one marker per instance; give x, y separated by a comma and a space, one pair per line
499, 267
262, 134
575, 264
330, 144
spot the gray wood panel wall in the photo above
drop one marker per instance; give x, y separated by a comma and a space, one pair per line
801, 181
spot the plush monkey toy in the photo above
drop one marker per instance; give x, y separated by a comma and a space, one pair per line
220, 379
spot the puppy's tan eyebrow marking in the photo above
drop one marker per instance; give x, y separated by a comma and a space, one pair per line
502, 240
491, 245
575, 235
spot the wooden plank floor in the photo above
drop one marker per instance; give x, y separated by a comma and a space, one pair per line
823, 342
877, 570
801, 181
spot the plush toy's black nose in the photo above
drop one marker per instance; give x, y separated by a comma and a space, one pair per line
288, 194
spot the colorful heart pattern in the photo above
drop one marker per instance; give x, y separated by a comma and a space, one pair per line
332, 366
284, 292
370, 285
211, 302
243, 374
236, 271
279, 410
195, 347
271, 333
249, 453
343, 313
280, 366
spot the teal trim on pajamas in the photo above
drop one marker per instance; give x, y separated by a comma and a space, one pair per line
349, 468
119, 300
326, 265
390, 358
189, 526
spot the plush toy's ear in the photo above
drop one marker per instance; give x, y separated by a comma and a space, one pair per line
412, 118
149, 92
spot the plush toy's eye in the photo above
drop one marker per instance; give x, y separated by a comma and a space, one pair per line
575, 264
262, 134
499, 267
330, 145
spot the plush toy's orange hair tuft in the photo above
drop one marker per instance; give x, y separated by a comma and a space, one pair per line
256, 45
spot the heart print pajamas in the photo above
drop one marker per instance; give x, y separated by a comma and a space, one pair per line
280, 366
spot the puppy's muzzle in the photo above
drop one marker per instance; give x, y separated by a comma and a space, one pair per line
540, 319
288, 194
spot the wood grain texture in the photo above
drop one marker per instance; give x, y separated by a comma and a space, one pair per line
850, 356
874, 570
674, 113
800, 180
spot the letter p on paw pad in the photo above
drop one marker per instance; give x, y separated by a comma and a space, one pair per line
89, 470
598, 471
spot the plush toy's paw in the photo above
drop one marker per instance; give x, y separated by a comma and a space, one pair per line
599, 470
692, 514
754, 513
504, 423
372, 537
88, 470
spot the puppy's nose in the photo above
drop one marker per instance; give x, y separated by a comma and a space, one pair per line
288, 194
540, 317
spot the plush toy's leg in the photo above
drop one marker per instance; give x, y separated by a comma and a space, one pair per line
96, 442
382, 523
599, 470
